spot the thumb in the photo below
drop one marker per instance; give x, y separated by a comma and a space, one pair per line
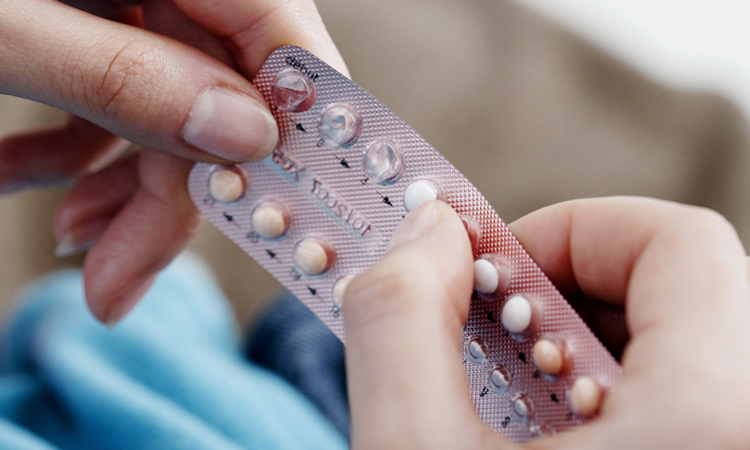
147, 88
404, 317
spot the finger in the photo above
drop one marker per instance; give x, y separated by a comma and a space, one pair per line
164, 17
91, 204
108, 8
146, 234
147, 88
253, 29
659, 257
57, 154
403, 316
683, 277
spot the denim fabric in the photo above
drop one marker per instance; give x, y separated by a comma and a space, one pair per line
292, 342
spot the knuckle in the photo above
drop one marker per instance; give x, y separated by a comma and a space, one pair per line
384, 289
128, 79
704, 220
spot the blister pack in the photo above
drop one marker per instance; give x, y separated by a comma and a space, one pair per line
323, 206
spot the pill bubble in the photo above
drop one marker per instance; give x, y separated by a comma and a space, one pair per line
585, 396
419, 192
339, 125
548, 356
473, 230
522, 406
517, 314
226, 185
383, 162
270, 220
293, 91
539, 430
313, 257
499, 380
339, 290
486, 278
477, 351
491, 276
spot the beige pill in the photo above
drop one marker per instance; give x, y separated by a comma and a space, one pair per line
268, 222
226, 185
311, 257
339, 290
585, 396
548, 357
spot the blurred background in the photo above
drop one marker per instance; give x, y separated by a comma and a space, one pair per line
536, 101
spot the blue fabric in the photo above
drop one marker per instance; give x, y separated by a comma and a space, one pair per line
291, 341
170, 376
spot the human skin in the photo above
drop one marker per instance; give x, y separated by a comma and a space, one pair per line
170, 75
680, 273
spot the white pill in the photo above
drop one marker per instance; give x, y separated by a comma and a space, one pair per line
311, 257
477, 351
268, 221
548, 357
419, 192
486, 278
516, 316
339, 290
499, 381
226, 185
522, 407
585, 396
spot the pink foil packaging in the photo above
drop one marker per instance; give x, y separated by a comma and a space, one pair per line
328, 197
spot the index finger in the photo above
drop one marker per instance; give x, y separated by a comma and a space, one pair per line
256, 28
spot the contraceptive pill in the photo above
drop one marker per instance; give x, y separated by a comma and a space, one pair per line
585, 396
339, 290
486, 278
345, 173
477, 351
492, 278
548, 357
270, 220
226, 185
418, 192
500, 380
517, 315
523, 407
313, 257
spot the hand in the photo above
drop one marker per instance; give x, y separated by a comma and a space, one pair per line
181, 90
680, 273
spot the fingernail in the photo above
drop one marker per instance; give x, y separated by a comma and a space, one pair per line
121, 306
117, 151
418, 222
231, 125
80, 238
